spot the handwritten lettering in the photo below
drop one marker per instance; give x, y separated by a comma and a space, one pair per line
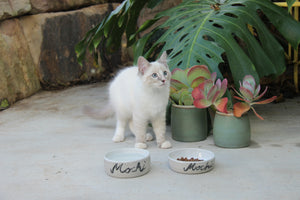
119, 167
195, 167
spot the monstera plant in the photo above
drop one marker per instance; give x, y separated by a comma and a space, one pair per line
203, 32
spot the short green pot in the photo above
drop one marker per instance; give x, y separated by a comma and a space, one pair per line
230, 131
188, 123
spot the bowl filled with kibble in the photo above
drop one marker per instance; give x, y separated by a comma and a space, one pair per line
191, 160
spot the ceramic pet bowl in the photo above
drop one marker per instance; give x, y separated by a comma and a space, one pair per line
191, 161
127, 163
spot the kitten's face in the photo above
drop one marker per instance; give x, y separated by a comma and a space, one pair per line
157, 75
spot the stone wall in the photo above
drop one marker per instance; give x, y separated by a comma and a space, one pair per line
17, 73
16, 8
52, 37
37, 44
37, 40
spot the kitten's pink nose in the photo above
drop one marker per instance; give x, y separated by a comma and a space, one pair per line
163, 81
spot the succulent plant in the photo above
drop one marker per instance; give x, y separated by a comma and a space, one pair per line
197, 86
249, 95
210, 93
184, 81
181, 97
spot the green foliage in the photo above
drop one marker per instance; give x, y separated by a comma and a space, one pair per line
201, 32
290, 3
4, 104
109, 32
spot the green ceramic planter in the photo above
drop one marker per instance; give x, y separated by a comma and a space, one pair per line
188, 124
230, 131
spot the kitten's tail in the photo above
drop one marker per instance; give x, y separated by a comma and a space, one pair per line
100, 114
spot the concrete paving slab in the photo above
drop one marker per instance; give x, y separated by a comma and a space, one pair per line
50, 150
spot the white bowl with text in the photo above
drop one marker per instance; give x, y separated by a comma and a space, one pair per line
127, 162
191, 160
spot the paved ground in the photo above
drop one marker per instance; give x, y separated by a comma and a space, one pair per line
50, 150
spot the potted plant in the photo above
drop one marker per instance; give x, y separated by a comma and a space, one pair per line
231, 127
188, 123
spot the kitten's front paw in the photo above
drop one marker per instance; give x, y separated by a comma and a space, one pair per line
118, 138
141, 145
166, 145
149, 137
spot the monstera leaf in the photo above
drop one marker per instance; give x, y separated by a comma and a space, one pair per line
200, 31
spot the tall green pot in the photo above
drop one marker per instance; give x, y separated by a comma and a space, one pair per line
230, 131
188, 123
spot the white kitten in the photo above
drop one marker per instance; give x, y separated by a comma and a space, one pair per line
139, 95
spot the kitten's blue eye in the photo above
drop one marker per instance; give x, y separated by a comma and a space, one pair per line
165, 73
154, 75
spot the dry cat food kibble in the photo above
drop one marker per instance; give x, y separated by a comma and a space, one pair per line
189, 159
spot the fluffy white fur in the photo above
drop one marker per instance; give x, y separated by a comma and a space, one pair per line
139, 96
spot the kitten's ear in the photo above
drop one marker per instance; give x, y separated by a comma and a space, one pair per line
163, 58
143, 65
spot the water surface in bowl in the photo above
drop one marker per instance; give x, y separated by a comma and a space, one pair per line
125, 156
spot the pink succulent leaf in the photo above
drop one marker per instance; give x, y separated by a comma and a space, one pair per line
241, 99
223, 87
197, 81
207, 85
248, 86
257, 115
262, 94
176, 69
247, 94
240, 108
201, 86
197, 93
240, 95
265, 101
216, 96
250, 79
177, 84
218, 83
221, 105
212, 93
257, 90
224, 83
197, 71
213, 76
180, 75
202, 103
